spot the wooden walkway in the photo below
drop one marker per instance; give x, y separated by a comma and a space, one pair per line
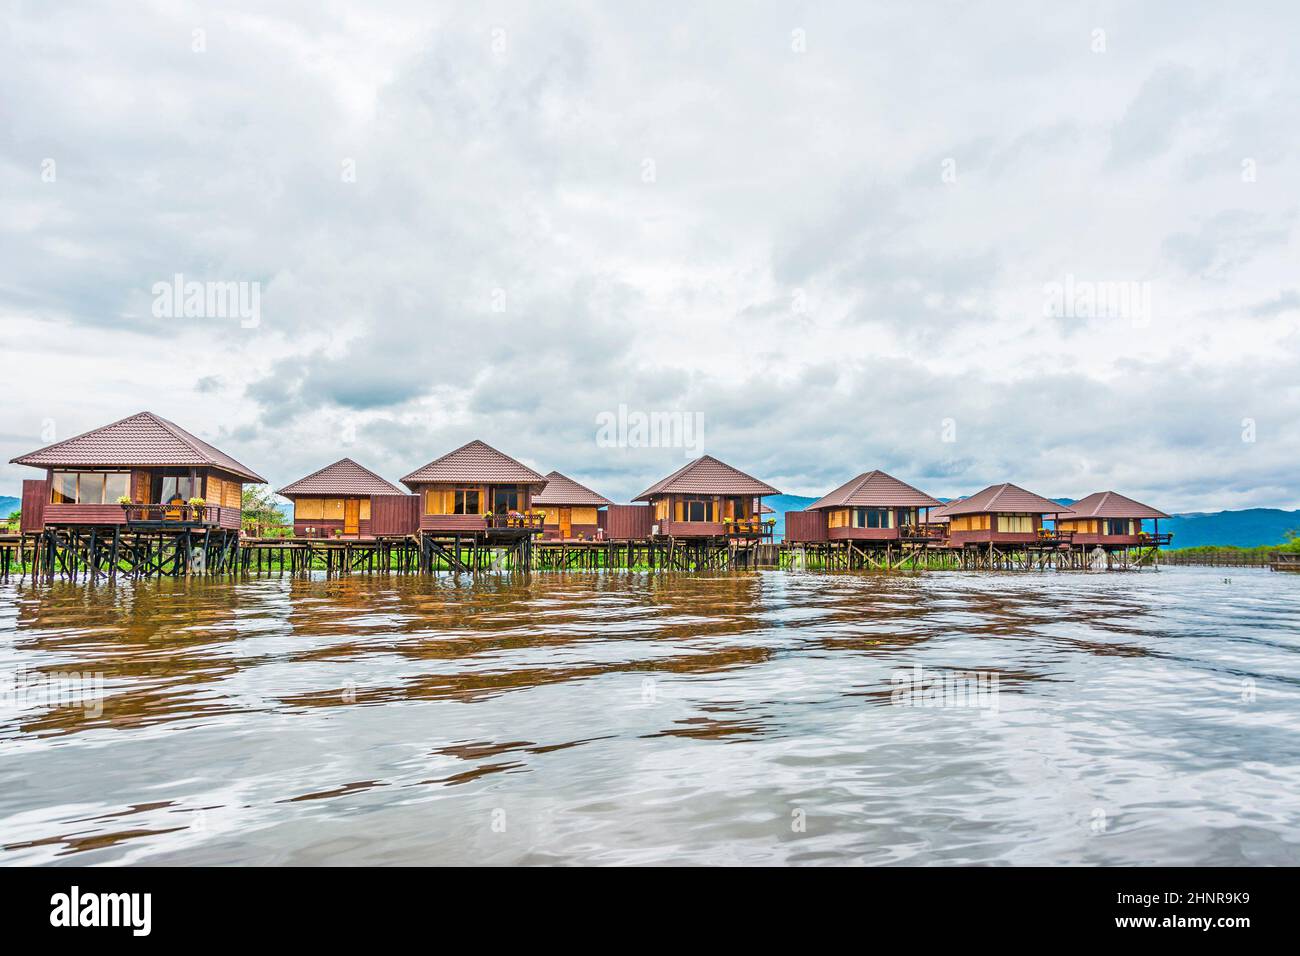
73, 556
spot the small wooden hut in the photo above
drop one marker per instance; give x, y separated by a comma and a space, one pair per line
142, 471
571, 510
873, 508
475, 489
1110, 520
347, 500
1004, 514
707, 498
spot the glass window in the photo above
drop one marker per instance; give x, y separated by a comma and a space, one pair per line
90, 488
64, 491
1016, 524
1117, 526
174, 487
871, 518
116, 485
467, 503
505, 499
695, 509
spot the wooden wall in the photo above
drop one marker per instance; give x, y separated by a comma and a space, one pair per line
805, 526
394, 514
36, 494
629, 522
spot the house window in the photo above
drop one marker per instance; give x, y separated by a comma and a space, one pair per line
1117, 526
65, 488
117, 484
89, 487
173, 487
1016, 524
872, 518
505, 499
466, 502
697, 509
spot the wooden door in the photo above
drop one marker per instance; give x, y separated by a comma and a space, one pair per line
566, 522
352, 516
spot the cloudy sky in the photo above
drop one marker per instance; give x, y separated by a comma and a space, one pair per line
962, 242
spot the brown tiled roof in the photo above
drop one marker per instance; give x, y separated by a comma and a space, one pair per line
942, 510
874, 489
343, 478
1108, 504
560, 490
1004, 499
475, 461
144, 440
707, 476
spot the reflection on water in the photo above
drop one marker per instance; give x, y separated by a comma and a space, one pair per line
627, 718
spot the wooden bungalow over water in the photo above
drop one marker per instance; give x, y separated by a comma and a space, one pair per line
347, 500
571, 510
873, 508
1109, 520
707, 498
143, 472
475, 489
1003, 514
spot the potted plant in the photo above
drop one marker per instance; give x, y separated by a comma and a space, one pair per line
197, 504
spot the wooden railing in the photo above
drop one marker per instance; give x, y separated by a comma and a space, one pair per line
529, 522
749, 528
1161, 540
1055, 536
923, 532
1217, 559
174, 513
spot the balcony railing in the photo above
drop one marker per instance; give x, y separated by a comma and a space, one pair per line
1053, 536
749, 528
173, 514
518, 520
923, 532
1161, 540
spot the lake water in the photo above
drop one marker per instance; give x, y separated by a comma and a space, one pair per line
757, 718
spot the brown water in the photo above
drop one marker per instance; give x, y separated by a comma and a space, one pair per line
626, 718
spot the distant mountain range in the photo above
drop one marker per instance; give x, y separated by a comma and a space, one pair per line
1249, 528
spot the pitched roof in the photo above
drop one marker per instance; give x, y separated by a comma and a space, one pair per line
942, 510
1108, 504
142, 439
707, 476
1005, 498
874, 489
475, 461
344, 477
560, 490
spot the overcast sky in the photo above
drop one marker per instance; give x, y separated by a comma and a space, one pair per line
835, 231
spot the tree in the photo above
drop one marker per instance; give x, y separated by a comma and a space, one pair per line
260, 511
